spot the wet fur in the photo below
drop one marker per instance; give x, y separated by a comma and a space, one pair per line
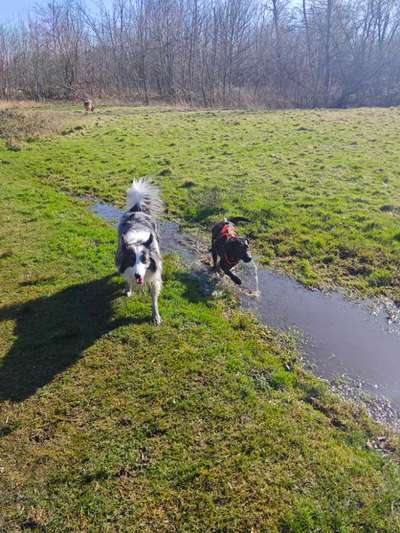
224, 249
138, 255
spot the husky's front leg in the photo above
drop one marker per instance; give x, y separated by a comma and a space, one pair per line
129, 289
155, 289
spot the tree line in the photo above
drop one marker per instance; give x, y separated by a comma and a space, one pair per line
273, 53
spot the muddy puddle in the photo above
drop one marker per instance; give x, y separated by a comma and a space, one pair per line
353, 345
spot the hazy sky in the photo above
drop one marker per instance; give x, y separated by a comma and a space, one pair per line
13, 10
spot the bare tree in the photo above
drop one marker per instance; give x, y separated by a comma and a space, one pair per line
208, 52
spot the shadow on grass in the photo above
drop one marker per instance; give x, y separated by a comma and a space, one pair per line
199, 285
52, 332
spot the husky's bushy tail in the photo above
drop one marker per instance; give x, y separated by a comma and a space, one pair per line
144, 196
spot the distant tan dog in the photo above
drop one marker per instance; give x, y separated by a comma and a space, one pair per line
88, 105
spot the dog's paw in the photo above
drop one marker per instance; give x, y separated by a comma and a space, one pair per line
157, 320
128, 293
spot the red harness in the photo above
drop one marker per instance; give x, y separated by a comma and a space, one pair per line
228, 232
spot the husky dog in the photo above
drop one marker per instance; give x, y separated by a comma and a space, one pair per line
229, 247
138, 257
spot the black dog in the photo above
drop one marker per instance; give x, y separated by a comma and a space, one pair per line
231, 249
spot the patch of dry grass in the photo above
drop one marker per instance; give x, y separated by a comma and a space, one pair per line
22, 124
19, 104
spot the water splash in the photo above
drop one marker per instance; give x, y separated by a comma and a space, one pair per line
250, 288
257, 292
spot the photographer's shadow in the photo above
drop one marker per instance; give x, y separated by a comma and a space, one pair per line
52, 332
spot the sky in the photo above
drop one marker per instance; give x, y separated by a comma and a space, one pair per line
14, 10
11, 10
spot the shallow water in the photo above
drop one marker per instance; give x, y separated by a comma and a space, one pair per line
340, 336
359, 341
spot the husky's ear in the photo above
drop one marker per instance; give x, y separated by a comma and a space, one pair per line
149, 241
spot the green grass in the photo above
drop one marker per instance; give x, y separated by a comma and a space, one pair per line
110, 424
322, 188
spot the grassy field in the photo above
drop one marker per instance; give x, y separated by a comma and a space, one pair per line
205, 424
322, 188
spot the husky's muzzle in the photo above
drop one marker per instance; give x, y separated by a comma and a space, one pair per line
139, 279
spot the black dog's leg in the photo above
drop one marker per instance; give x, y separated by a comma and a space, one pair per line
233, 277
214, 255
